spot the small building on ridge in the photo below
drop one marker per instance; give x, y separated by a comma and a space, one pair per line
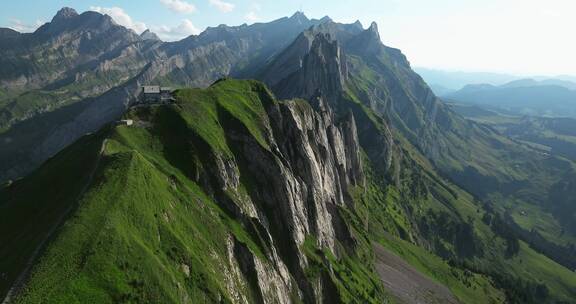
156, 94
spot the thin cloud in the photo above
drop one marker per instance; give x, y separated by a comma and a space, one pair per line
22, 27
252, 16
179, 6
121, 17
183, 30
222, 6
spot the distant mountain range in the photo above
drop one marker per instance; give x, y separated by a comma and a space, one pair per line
550, 97
445, 82
524, 83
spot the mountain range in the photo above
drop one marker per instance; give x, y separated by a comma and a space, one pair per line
549, 98
443, 82
446, 82
335, 176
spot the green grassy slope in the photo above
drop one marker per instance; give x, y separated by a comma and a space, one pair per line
547, 216
145, 222
132, 239
400, 218
422, 217
32, 207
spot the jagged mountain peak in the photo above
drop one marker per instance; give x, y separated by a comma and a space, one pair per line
338, 31
358, 24
366, 42
148, 35
321, 72
373, 29
324, 42
321, 40
299, 16
65, 13
68, 19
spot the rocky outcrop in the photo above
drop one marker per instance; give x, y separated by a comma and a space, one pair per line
323, 72
313, 147
272, 284
148, 35
298, 182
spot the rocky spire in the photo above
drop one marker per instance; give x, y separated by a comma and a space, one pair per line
148, 35
322, 72
367, 41
373, 29
64, 14
299, 17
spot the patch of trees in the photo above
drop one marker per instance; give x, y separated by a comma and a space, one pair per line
517, 290
417, 187
501, 228
561, 202
459, 233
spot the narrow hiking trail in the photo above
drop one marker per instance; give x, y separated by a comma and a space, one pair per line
21, 279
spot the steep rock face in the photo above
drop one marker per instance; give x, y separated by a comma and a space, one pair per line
273, 284
314, 147
298, 181
298, 184
358, 63
316, 65
291, 59
323, 71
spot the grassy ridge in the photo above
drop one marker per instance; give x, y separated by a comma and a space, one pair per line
144, 221
147, 232
135, 246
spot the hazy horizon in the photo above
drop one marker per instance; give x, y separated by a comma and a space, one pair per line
511, 37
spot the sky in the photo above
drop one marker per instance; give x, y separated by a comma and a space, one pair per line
522, 37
